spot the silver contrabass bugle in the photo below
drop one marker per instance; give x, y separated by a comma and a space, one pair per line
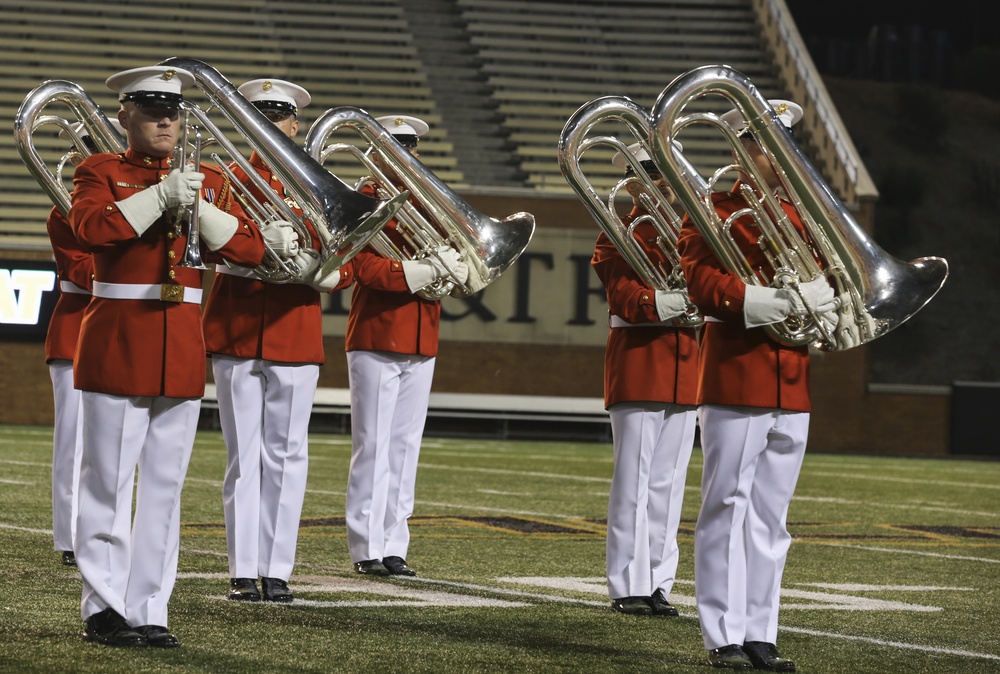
487, 245
29, 119
877, 292
576, 139
343, 219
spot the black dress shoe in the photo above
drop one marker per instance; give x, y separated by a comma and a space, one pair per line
397, 566
729, 657
68, 558
275, 589
243, 589
109, 628
158, 636
765, 656
632, 606
661, 606
371, 567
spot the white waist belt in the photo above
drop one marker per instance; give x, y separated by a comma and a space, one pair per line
236, 271
619, 322
167, 292
72, 288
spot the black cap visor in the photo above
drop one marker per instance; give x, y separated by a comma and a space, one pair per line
154, 99
276, 107
407, 140
648, 166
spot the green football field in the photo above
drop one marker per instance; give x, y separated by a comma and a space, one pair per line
895, 567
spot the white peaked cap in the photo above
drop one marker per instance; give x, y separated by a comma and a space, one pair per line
278, 91
788, 112
638, 151
160, 79
403, 125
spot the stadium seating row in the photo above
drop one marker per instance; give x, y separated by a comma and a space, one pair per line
537, 63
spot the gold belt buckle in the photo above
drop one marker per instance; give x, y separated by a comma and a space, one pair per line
171, 292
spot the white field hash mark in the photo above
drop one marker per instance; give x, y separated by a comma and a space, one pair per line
824, 601
396, 594
405, 595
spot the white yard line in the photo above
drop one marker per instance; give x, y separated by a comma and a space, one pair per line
892, 644
26, 530
537, 457
911, 552
12, 462
902, 506
905, 480
525, 473
507, 511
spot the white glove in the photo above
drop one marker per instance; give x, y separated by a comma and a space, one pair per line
830, 319
327, 283
818, 295
216, 227
763, 306
460, 272
421, 273
447, 256
308, 264
281, 237
452, 260
179, 188
144, 208
670, 303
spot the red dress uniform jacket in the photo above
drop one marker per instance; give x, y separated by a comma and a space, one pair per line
385, 315
144, 347
644, 363
73, 264
739, 366
280, 322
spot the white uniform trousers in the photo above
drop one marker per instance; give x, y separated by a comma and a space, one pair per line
67, 448
130, 564
652, 448
264, 409
389, 397
752, 460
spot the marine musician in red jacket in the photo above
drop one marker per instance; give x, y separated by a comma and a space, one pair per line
753, 396
650, 381
266, 345
140, 358
391, 343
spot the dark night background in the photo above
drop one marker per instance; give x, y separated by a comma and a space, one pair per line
952, 44
918, 87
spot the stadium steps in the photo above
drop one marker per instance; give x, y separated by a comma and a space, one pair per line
462, 94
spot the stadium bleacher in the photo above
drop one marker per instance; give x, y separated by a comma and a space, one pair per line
531, 64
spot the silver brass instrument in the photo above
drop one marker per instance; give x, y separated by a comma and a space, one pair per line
574, 141
487, 245
343, 220
186, 219
877, 292
422, 238
29, 119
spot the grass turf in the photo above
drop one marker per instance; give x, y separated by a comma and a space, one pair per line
894, 568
